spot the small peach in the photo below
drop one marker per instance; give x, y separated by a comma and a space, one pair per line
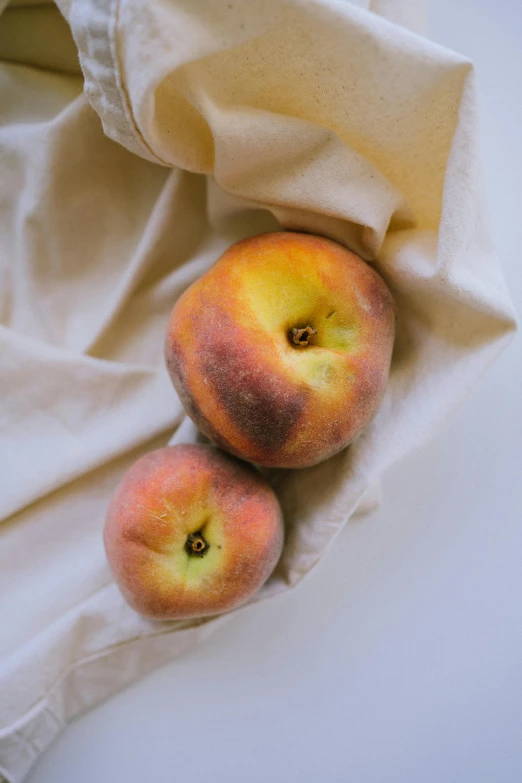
192, 532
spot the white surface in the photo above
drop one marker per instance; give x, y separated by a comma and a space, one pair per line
399, 658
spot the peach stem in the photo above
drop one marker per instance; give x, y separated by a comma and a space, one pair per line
302, 337
196, 544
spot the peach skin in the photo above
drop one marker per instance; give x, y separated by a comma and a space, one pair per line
192, 532
281, 352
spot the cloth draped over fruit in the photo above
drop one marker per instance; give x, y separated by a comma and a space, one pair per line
138, 141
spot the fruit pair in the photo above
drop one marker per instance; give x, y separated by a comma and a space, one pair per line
280, 354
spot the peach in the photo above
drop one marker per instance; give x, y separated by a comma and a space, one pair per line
280, 353
192, 532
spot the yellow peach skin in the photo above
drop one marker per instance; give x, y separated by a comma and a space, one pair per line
281, 351
192, 532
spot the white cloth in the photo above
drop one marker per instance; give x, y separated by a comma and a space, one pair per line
232, 117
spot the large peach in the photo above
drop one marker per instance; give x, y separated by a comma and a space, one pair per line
281, 351
191, 532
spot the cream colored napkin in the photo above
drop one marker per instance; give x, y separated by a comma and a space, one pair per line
223, 118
